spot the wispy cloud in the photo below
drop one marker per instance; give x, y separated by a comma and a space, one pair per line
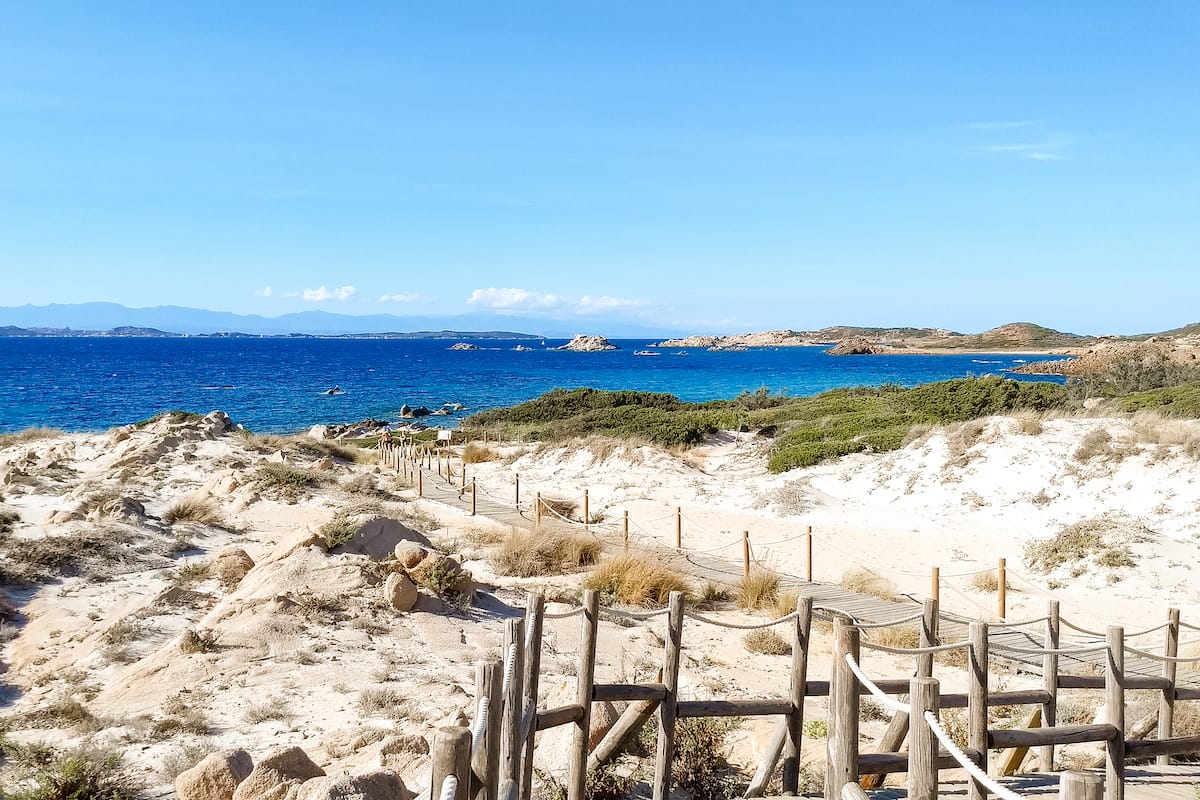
321, 294
1002, 125
1035, 145
263, 292
405, 297
515, 301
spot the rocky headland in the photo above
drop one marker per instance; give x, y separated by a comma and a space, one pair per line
584, 343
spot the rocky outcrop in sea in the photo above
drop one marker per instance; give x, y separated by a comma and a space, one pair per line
584, 343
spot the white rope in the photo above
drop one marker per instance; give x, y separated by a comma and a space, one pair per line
449, 788
886, 699
510, 668
737, 626
637, 615
1164, 659
481, 721
1046, 651
914, 651
564, 614
967, 764
1016, 624
1073, 626
901, 621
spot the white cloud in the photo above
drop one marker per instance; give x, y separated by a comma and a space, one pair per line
588, 304
321, 294
1003, 125
513, 299
405, 297
1038, 155
263, 292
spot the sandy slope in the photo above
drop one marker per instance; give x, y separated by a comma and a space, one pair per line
304, 633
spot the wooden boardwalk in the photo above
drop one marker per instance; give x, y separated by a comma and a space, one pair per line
869, 608
1150, 782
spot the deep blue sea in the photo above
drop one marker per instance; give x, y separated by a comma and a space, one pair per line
276, 385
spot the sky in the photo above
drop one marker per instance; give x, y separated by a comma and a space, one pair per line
712, 167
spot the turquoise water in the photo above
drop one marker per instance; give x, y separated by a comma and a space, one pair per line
276, 385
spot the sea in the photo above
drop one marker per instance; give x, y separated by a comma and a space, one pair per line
280, 385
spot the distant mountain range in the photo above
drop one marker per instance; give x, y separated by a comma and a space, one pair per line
113, 319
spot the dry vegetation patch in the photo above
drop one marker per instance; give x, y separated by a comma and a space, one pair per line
985, 582
28, 435
526, 554
766, 641
194, 509
1098, 541
476, 453
864, 581
635, 581
759, 589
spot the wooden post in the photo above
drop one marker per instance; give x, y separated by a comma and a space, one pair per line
420, 482
841, 744
808, 567
924, 695
587, 517
462, 484
1114, 704
799, 676
935, 584
535, 605
929, 636
977, 697
452, 756
1080, 786
537, 505
678, 527
1050, 684
770, 757
625, 531
517, 489
485, 762
666, 709
1166, 705
585, 676
1001, 590
632, 720
510, 733
472, 497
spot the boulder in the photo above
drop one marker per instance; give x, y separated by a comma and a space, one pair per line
377, 538
378, 785
60, 517
318, 432
231, 564
400, 751
216, 777
554, 745
273, 777
409, 554
321, 465
216, 423
119, 508
856, 346
464, 346
348, 741
400, 592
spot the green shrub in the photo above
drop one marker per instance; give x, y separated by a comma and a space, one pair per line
338, 530
43, 773
283, 481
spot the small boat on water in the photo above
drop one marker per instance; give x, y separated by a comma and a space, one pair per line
681, 353
333, 391
646, 353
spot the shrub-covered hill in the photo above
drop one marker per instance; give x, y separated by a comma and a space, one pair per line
810, 429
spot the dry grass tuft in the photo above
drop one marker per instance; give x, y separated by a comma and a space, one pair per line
476, 453
985, 582
635, 581
1028, 423
759, 589
785, 603
528, 554
1098, 541
864, 581
905, 636
766, 641
28, 435
1095, 444
560, 506
193, 509
960, 439
269, 709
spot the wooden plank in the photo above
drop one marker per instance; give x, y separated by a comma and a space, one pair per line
616, 692
1181, 745
1063, 734
752, 707
563, 715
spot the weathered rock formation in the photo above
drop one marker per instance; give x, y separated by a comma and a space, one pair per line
583, 343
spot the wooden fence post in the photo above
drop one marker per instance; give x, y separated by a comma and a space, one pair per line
587, 515
535, 605
517, 489
625, 531
977, 697
808, 565
801, 630
666, 709
537, 505
462, 484
1166, 705
1114, 704
1080, 786
929, 636
678, 528
420, 482
510, 733
1002, 589
745, 554
1050, 683
451, 756
585, 676
485, 761
924, 695
472, 497
841, 743
935, 584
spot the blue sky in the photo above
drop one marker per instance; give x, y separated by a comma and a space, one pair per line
708, 166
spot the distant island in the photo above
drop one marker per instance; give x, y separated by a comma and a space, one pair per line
126, 331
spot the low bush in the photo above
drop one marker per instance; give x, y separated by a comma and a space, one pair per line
284, 482
864, 581
1102, 541
1097, 443
528, 554
700, 766
338, 530
192, 509
86, 773
635, 581
274, 708
476, 453
759, 589
766, 641
985, 582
